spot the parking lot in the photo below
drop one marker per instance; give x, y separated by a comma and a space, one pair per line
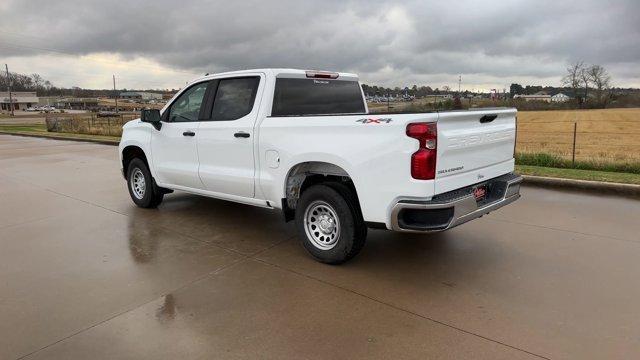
85, 274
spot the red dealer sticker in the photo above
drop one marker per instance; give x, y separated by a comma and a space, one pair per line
480, 192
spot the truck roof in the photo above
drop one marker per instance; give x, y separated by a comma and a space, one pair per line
277, 72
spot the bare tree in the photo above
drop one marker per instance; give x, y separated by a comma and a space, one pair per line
586, 81
38, 81
601, 80
574, 79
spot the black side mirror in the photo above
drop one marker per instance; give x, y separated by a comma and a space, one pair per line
151, 116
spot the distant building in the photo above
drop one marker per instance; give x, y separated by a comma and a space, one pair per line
443, 96
21, 100
140, 95
48, 100
76, 103
560, 97
535, 97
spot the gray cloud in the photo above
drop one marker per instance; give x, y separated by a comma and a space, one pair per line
417, 41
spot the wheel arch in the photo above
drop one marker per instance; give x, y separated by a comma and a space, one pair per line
305, 174
131, 152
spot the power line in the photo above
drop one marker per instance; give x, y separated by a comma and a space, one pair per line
93, 58
23, 35
115, 94
124, 81
132, 80
9, 88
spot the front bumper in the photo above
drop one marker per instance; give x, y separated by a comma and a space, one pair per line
453, 208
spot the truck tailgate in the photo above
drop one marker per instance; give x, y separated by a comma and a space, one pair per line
474, 146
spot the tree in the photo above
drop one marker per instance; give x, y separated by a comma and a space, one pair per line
532, 89
586, 80
601, 80
424, 91
457, 103
516, 89
38, 81
573, 78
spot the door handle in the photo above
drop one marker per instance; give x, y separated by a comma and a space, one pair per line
188, 133
488, 118
241, 134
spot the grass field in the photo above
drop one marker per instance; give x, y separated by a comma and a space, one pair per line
606, 140
591, 175
88, 124
41, 130
602, 135
610, 135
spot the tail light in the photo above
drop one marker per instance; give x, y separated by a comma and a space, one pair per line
423, 161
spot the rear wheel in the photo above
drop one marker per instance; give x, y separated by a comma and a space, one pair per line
142, 188
329, 223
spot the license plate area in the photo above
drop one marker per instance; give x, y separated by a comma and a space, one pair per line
479, 192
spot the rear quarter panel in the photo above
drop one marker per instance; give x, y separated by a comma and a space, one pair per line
376, 155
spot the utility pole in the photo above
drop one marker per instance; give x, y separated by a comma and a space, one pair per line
388, 105
6, 67
115, 94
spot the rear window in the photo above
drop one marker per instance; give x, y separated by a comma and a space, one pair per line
316, 97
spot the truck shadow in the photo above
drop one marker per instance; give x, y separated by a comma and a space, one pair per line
249, 230
236, 227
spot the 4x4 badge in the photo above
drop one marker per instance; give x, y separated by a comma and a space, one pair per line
375, 120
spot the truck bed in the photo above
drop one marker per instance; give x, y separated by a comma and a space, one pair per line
375, 151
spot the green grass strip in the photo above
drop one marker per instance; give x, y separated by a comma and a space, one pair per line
555, 161
577, 174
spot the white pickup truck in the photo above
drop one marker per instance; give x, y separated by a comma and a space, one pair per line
303, 142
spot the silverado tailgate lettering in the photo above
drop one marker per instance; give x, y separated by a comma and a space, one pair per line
456, 142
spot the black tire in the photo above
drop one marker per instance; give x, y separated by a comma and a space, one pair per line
152, 195
332, 199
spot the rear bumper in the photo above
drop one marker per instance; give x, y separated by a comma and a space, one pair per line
456, 207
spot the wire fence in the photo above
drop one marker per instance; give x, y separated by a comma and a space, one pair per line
91, 124
593, 140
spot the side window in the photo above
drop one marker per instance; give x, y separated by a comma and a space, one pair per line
187, 105
234, 98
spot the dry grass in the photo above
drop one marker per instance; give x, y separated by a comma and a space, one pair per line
88, 124
602, 136
605, 136
610, 135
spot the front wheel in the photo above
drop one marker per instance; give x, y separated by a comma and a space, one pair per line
142, 190
329, 223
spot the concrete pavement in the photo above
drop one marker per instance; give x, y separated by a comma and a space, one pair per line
86, 274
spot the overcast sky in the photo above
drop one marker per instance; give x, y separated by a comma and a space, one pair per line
161, 43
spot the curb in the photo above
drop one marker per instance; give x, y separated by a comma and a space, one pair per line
55, 137
584, 185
